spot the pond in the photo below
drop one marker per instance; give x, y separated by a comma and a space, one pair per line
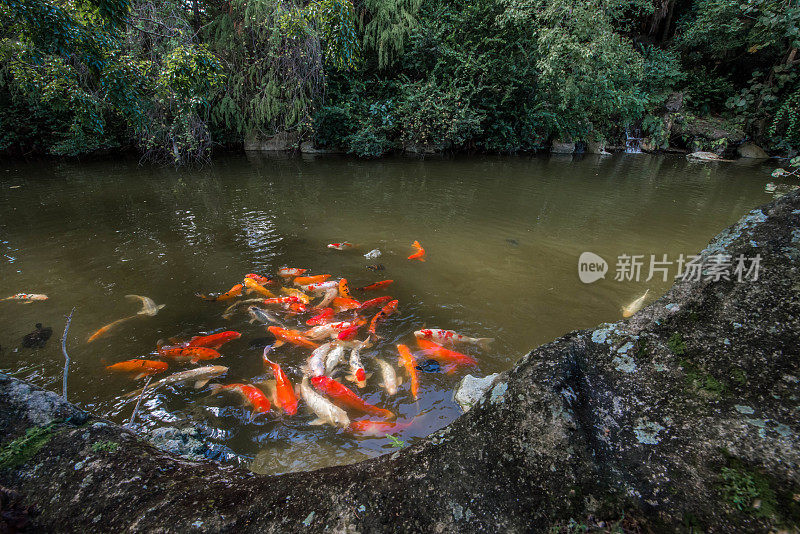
502, 235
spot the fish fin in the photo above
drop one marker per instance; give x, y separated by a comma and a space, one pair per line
369, 375
159, 344
351, 378
484, 342
399, 379
278, 343
202, 382
317, 422
272, 390
193, 360
140, 375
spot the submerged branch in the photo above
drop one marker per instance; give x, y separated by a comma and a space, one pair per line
64, 350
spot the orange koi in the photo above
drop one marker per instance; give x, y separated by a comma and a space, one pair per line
344, 290
250, 394
305, 280
285, 398
344, 397
344, 304
322, 318
254, 286
375, 286
141, 367
407, 360
294, 337
377, 428
214, 341
419, 254
290, 272
380, 301
443, 355
263, 280
235, 291
108, 327
381, 316
188, 354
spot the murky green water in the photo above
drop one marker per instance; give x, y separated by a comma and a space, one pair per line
502, 235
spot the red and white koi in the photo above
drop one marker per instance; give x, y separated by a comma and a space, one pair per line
448, 336
320, 287
340, 246
291, 272
26, 298
326, 411
357, 373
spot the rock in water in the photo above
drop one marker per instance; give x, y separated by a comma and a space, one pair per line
752, 151
703, 156
471, 389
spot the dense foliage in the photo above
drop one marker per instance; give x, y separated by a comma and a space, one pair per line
173, 78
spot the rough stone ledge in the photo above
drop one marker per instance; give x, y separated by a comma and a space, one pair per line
684, 416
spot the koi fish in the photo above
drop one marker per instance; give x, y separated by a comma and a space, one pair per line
188, 354
340, 246
330, 295
344, 304
289, 272
316, 362
407, 360
320, 287
444, 355
27, 298
375, 286
295, 307
380, 301
377, 428
249, 394
263, 280
344, 291
149, 307
322, 318
285, 398
348, 333
376, 267
255, 287
306, 280
294, 337
419, 254
235, 291
200, 376
108, 327
214, 341
142, 368
390, 378
448, 336
296, 293
333, 358
381, 316
331, 329
279, 300
357, 373
230, 310
634, 306
325, 410
343, 396
262, 316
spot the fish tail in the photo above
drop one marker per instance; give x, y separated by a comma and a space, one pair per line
267, 350
484, 342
